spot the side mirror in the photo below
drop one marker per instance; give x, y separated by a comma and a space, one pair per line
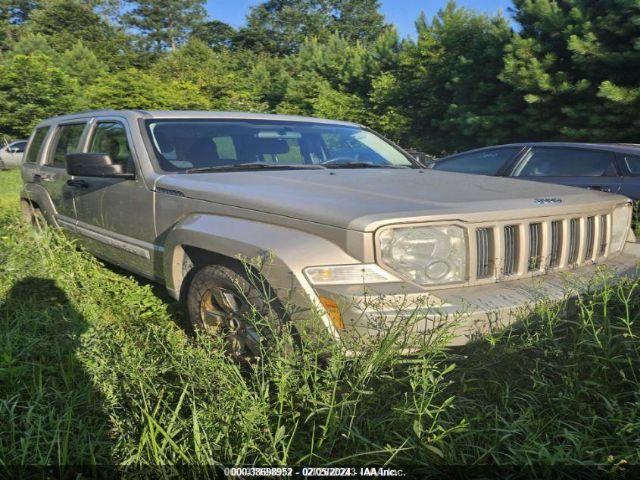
95, 165
15, 150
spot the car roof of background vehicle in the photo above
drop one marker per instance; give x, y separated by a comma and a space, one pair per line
191, 114
629, 148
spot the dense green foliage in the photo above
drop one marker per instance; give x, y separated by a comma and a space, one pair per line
570, 69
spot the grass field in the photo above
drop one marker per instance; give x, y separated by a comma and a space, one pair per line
95, 369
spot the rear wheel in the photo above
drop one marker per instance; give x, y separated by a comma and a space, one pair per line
222, 300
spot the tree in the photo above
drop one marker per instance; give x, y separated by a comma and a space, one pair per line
82, 64
448, 83
358, 19
65, 22
164, 23
281, 26
135, 89
32, 88
216, 34
224, 78
576, 63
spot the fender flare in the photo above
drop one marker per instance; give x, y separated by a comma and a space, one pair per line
288, 251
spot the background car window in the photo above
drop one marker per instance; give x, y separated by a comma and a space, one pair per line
558, 162
67, 141
111, 138
36, 144
633, 164
18, 147
485, 162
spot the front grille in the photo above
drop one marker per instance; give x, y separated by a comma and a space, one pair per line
535, 245
532, 247
574, 240
556, 243
591, 231
484, 241
603, 235
511, 241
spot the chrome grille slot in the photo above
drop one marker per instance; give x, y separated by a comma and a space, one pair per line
574, 240
603, 236
590, 237
519, 248
556, 243
535, 245
511, 241
485, 254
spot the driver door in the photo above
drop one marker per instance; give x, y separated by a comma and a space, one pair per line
115, 217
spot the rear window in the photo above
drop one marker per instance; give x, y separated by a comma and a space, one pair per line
36, 144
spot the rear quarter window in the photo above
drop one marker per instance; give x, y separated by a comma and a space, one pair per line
32, 154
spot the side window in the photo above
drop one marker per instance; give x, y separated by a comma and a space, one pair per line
485, 162
111, 138
67, 140
565, 162
18, 147
36, 144
633, 164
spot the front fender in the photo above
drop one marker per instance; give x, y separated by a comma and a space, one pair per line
288, 252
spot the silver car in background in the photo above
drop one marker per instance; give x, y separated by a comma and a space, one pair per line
11, 153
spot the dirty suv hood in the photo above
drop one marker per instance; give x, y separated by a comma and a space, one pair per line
363, 199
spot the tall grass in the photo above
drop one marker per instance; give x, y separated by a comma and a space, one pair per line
95, 369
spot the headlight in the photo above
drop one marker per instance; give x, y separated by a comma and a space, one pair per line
620, 222
426, 255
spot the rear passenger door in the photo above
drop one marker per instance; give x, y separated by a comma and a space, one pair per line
53, 174
577, 167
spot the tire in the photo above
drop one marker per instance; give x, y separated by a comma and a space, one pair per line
222, 300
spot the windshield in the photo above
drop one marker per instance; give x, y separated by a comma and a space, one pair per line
202, 145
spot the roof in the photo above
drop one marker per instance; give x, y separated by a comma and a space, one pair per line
194, 114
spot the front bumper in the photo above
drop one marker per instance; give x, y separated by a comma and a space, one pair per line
468, 312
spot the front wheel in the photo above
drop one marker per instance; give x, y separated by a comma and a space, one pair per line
223, 301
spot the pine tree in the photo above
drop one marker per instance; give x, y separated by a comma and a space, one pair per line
448, 83
282, 26
577, 65
164, 23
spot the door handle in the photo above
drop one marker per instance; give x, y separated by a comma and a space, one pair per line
37, 177
77, 183
600, 187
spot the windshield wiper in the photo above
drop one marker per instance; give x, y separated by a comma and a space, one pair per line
356, 164
253, 166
